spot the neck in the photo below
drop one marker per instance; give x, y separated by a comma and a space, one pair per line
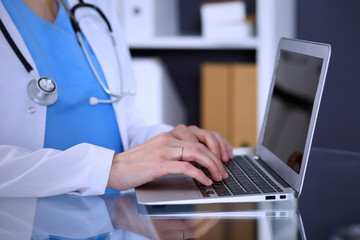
46, 9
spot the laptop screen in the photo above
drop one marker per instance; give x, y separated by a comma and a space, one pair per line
287, 123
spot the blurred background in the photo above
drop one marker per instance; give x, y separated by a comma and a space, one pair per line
187, 43
335, 22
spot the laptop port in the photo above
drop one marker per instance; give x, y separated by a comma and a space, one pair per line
270, 214
282, 196
270, 197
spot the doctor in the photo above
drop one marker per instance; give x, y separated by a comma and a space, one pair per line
52, 140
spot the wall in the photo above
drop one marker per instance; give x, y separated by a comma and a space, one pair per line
336, 23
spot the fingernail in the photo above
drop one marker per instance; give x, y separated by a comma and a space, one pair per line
220, 176
224, 174
209, 182
225, 156
231, 154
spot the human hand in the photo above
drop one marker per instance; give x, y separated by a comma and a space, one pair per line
160, 156
183, 228
213, 140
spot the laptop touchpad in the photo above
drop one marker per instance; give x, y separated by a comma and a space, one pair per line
169, 180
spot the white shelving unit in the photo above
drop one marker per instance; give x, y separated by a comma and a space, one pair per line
274, 19
192, 42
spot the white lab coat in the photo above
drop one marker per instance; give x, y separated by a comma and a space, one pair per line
26, 168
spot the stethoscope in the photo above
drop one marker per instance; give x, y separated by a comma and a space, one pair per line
43, 90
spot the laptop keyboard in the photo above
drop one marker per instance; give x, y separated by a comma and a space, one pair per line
245, 177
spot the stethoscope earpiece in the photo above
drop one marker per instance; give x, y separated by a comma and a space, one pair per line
95, 100
42, 91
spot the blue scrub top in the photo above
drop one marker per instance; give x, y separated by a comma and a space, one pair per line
57, 54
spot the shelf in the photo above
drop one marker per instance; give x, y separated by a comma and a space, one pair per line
274, 19
192, 42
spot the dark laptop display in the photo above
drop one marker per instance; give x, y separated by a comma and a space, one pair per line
287, 124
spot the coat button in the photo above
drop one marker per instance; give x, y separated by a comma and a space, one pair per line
31, 110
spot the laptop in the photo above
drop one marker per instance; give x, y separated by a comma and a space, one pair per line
277, 169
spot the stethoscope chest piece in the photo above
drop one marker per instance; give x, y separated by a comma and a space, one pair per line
42, 91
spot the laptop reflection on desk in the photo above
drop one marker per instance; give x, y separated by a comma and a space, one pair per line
254, 220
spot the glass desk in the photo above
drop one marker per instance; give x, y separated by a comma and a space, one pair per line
327, 209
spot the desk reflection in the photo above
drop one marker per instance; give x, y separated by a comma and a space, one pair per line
120, 217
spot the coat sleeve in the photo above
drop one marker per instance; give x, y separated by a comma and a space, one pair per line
81, 170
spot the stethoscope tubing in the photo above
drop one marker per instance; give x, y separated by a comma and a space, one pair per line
16, 50
81, 4
77, 30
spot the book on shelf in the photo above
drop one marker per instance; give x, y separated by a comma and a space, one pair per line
147, 19
226, 20
228, 101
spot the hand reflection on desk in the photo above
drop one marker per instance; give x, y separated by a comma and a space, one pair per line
108, 217
183, 228
127, 218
